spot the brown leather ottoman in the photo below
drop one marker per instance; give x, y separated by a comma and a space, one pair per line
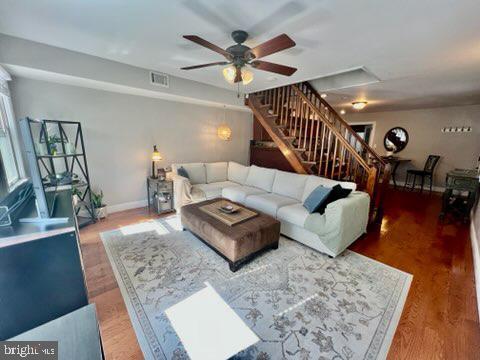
238, 243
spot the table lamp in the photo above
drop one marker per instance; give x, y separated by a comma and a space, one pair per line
155, 157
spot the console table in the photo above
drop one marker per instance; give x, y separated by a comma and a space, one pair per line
458, 181
41, 269
395, 163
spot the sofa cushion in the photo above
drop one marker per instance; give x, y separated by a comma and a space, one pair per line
268, 203
213, 190
216, 172
315, 181
239, 193
261, 178
289, 184
294, 214
237, 172
196, 172
318, 199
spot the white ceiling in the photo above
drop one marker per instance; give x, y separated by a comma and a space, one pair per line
426, 52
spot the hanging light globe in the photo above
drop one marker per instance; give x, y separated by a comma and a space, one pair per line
224, 132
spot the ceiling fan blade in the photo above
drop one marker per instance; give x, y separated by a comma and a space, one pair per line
279, 43
238, 75
204, 65
198, 40
272, 67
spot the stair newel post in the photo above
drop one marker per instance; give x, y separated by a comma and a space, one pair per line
370, 189
382, 189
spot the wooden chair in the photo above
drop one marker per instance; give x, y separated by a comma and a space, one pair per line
427, 172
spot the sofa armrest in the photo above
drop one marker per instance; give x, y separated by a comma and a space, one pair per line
182, 191
343, 222
354, 209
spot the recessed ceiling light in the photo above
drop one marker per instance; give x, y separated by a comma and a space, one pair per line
323, 96
359, 105
343, 112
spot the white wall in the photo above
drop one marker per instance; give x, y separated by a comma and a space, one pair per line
457, 150
119, 132
475, 237
44, 62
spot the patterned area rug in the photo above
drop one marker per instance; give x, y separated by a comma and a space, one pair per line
301, 304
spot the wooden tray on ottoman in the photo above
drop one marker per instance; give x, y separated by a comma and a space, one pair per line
238, 243
239, 215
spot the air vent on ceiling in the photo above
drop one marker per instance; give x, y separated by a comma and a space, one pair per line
159, 79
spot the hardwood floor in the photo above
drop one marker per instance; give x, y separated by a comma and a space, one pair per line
439, 321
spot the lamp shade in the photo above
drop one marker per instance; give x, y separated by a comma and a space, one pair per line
229, 73
247, 76
156, 156
224, 132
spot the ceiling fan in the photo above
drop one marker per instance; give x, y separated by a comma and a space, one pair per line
239, 56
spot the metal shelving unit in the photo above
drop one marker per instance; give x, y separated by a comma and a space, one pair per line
62, 162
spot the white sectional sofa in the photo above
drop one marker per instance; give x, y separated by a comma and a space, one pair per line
280, 194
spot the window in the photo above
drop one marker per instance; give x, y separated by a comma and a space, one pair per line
10, 168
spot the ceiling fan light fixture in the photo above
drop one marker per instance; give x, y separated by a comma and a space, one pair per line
247, 76
359, 105
229, 73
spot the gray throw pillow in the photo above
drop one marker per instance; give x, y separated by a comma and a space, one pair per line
182, 172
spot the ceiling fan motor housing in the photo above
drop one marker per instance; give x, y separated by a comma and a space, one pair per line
239, 36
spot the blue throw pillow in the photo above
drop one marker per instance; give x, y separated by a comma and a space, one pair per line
182, 172
315, 200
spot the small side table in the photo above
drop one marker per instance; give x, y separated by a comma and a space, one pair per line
460, 180
159, 195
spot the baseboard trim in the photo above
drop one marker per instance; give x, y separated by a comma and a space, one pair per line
400, 184
126, 206
476, 257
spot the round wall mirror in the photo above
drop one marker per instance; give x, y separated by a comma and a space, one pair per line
395, 139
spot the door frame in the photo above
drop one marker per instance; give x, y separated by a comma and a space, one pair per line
372, 134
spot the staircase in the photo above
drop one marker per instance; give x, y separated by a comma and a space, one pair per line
316, 140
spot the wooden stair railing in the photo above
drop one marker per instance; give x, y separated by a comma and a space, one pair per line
316, 140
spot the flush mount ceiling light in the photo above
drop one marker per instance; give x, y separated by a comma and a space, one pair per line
343, 112
323, 96
359, 105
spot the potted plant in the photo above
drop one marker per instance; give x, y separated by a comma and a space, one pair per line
76, 195
52, 142
99, 208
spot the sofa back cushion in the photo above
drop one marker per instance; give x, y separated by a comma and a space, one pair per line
237, 172
289, 184
315, 181
261, 178
216, 172
196, 172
